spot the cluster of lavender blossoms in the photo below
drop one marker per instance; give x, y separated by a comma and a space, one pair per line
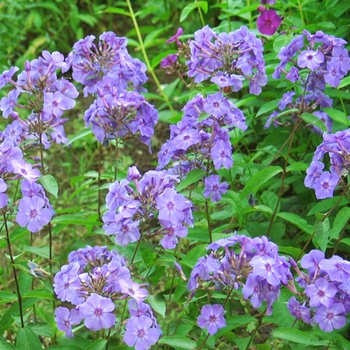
255, 267
129, 210
310, 61
92, 282
203, 142
337, 146
115, 78
37, 104
325, 298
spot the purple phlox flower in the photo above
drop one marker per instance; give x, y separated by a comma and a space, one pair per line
299, 311
133, 290
336, 267
310, 59
228, 80
65, 318
7, 104
333, 75
267, 268
325, 185
171, 206
3, 196
203, 269
213, 188
262, 246
286, 99
259, 79
138, 309
8, 153
169, 61
221, 154
25, 170
313, 172
330, 318
133, 174
126, 230
321, 293
340, 59
56, 103
217, 105
56, 59
117, 194
32, 212
66, 282
97, 312
268, 2
58, 135
171, 234
311, 261
268, 22
187, 138
212, 318
293, 74
176, 36
31, 189
140, 333
227, 242
252, 288
7, 75
14, 132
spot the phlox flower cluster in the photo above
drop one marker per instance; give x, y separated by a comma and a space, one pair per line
239, 262
129, 210
92, 282
201, 139
311, 61
227, 59
115, 78
34, 209
337, 147
42, 97
325, 295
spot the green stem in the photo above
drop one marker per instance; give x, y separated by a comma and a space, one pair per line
301, 13
144, 53
208, 220
200, 13
13, 269
250, 16
204, 341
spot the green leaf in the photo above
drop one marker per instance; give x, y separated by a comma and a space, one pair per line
340, 221
190, 7
40, 251
169, 88
117, 10
50, 184
327, 204
259, 179
157, 303
296, 336
40, 293
99, 344
80, 135
313, 120
4, 345
344, 82
297, 221
178, 341
322, 233
27, 340
192, 177
268, 107
297, 166
337, 116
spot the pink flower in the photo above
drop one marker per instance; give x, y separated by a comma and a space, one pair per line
268, 22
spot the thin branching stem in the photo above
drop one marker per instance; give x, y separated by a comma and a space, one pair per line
13, 269
145, 56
